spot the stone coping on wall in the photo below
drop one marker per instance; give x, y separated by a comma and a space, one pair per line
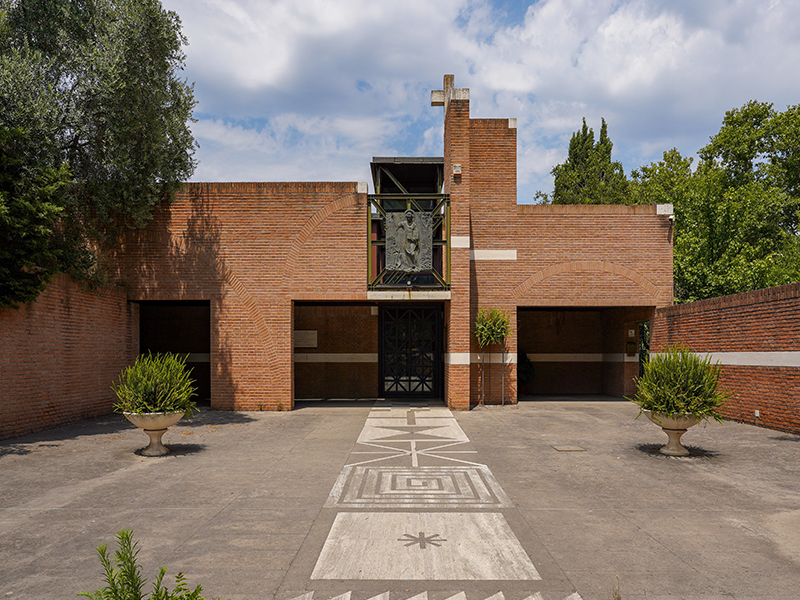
772, 294
594, 209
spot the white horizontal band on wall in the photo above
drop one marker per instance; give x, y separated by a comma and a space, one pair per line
496, 357
412, 295
465, 358
583, 357
323, 357
493, 255
755, 359
194, 357
459, 241
456, 358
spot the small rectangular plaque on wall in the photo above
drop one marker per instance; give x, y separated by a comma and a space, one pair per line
305, 338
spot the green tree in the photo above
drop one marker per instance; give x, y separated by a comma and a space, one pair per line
733, 238
736, 216
667, 181
30, 208
738, 229
95, 83
589, 176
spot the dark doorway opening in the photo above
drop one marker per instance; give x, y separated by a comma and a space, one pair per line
181, 327
410, 363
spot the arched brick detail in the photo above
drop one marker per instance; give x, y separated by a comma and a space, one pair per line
595, 266
186, 246
289, 271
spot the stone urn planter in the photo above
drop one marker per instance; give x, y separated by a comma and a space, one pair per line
155, 425
677, 390
674, 426
154, 393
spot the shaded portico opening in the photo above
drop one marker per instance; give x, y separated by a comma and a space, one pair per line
591, 351
181, 327
335, 350
347, 351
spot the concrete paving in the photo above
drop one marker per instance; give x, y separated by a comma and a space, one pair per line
553, 499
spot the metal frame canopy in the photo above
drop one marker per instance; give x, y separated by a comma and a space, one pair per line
402, 185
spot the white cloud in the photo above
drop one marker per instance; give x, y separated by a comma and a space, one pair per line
330, 84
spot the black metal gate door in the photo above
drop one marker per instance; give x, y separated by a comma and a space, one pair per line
411, 352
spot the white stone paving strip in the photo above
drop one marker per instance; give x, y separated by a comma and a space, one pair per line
433, 546
423, 546
424, 596
411, 425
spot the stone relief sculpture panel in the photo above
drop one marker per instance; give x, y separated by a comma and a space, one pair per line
409, 242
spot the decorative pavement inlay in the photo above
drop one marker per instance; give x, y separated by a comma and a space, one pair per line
481, 547
449, 596
471, 486
382, 540
422, 540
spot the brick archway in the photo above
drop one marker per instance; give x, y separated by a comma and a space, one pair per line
587, 266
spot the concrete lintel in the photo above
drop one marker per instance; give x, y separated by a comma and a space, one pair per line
457, 358
338, 357
583, 357
493, 255
412, 295
754, 359
465, 358
459, 241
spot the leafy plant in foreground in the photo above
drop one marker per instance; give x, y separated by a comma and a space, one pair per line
677, 381
124, 578
156, 383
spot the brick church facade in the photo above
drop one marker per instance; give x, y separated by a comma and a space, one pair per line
280, 291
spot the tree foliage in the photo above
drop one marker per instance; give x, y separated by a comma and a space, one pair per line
589, 176
492, 327
94, 84
30, 208
737, 214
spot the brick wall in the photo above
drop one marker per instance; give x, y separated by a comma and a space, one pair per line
613, 257
251, 249
60, 354
742, 328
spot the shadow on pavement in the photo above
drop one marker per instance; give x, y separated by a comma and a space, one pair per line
177, 449
694, 451
207, 416
112, 424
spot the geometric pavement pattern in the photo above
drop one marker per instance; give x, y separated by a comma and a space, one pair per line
438, 596
468, 486
417, 458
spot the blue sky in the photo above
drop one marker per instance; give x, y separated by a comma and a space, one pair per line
311, 90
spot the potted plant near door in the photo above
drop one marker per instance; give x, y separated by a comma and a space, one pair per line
677, 390
154, 393
492, 327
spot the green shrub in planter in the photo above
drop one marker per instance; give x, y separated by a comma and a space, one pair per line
679, 382
156, 383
